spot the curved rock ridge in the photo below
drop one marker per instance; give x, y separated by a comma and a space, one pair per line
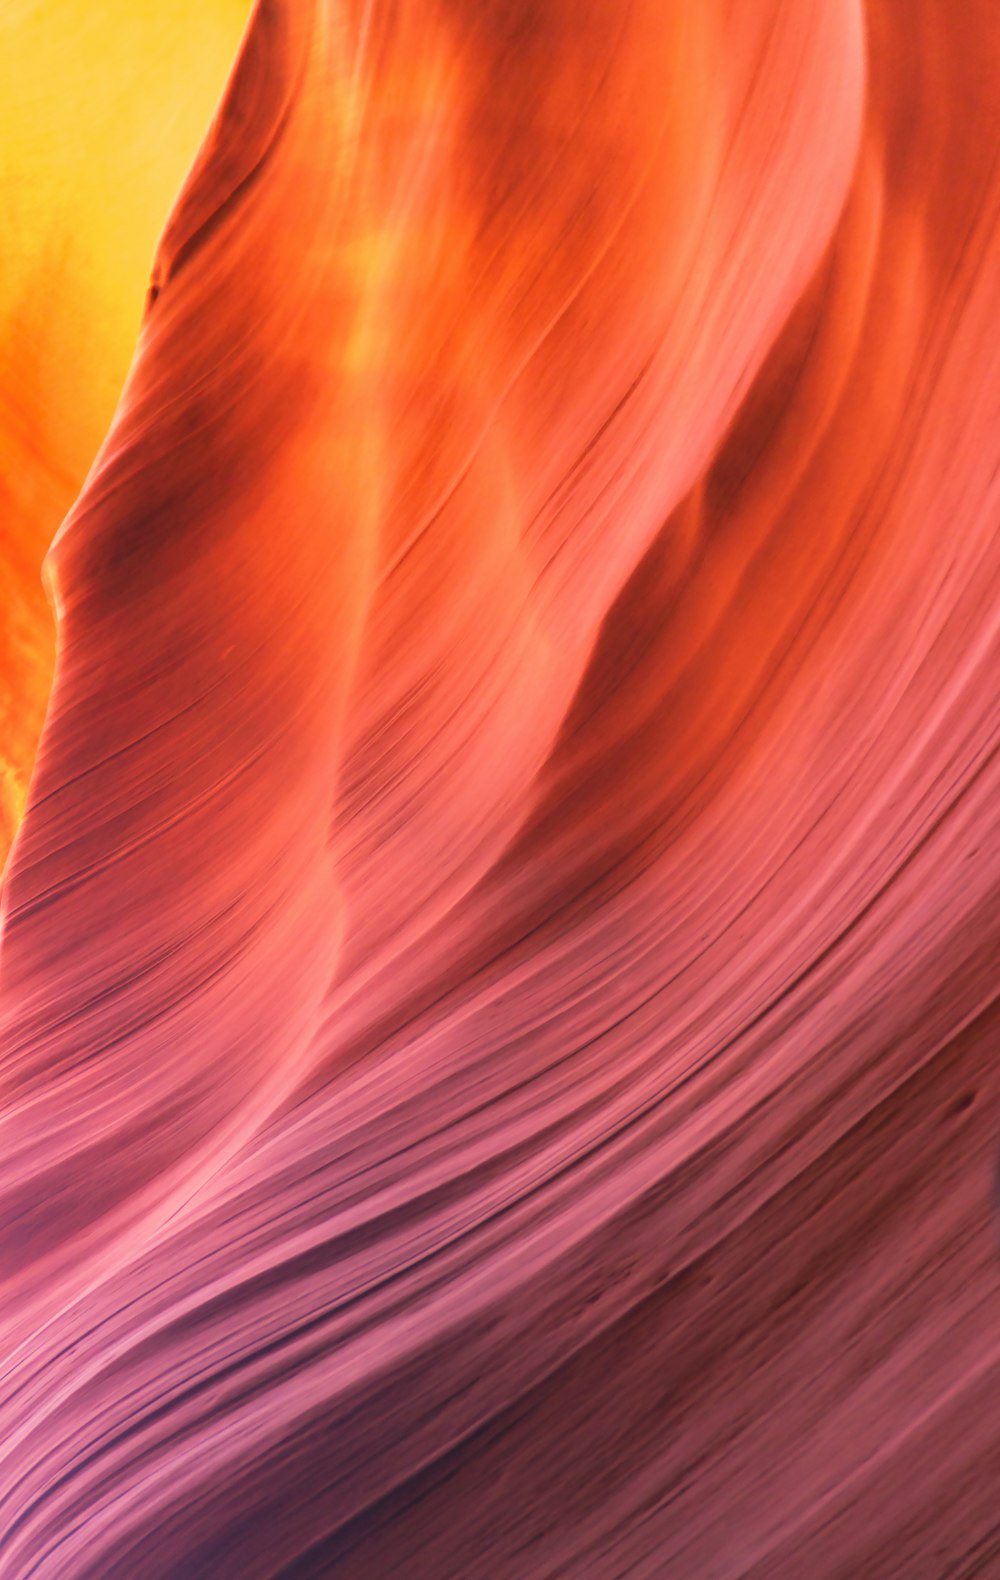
498, 986
102, 108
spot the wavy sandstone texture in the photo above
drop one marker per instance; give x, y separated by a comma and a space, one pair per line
102, 105
499, 964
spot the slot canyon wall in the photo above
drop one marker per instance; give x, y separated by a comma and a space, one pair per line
499, 956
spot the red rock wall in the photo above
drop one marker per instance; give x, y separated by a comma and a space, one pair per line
499, 966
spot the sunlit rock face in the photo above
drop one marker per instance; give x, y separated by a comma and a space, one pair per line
102, 106
499, 963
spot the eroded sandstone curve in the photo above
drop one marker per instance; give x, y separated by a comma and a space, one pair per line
499, 965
